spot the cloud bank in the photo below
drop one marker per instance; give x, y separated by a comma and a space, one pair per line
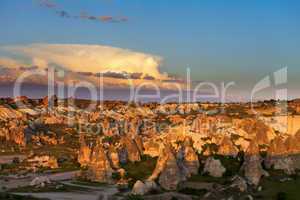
84, 58
83, 15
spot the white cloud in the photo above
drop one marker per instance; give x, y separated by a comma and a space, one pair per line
87, 58
10, 63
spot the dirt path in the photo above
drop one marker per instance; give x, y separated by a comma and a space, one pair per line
92, 193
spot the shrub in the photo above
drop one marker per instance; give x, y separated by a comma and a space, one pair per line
133, 197
281, 196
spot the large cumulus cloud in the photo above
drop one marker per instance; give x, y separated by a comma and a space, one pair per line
86, 58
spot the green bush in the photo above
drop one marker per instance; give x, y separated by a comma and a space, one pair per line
281, 196
133, 197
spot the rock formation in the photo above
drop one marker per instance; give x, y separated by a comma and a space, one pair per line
167, 170
113, 157
132, 149
99, 169
252, 164
214, 167
227, 148
189, 157
84, 154
141, 188
43, 161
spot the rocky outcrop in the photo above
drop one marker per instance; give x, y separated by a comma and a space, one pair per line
252, 164
50, 102
277, 147
227, 148
167, 170
43, 161
14, 132
151, 148
40, 181
113, 157
141, 188
280, 154
84, 155
240, 183
188, 157
214, 167
132, 149
99, 169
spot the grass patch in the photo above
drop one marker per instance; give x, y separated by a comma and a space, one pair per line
140, 170
194, 192
207, 178
7, 196
272, 189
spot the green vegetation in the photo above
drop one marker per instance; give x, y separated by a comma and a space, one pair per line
207, 178
277, 190
231, 164
140, 170
191, 191
133, 197
7, 196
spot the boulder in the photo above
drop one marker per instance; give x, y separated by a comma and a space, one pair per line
214, 167
141, 188
240, 183
40, 181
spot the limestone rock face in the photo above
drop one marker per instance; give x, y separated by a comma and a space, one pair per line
280, 154
14, 132
227, 147
214, 167
292, 145
277, 147
252, 164
99, 169
167, 169
151, 148
84, 152
43, 161
132, 149
256, 129
190, 158
284, 163
170, 176
123, 155
139, 143
114, 157
44, 139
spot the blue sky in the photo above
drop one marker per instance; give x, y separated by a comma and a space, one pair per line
218, 39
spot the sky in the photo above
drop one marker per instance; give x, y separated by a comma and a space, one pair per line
219, 40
